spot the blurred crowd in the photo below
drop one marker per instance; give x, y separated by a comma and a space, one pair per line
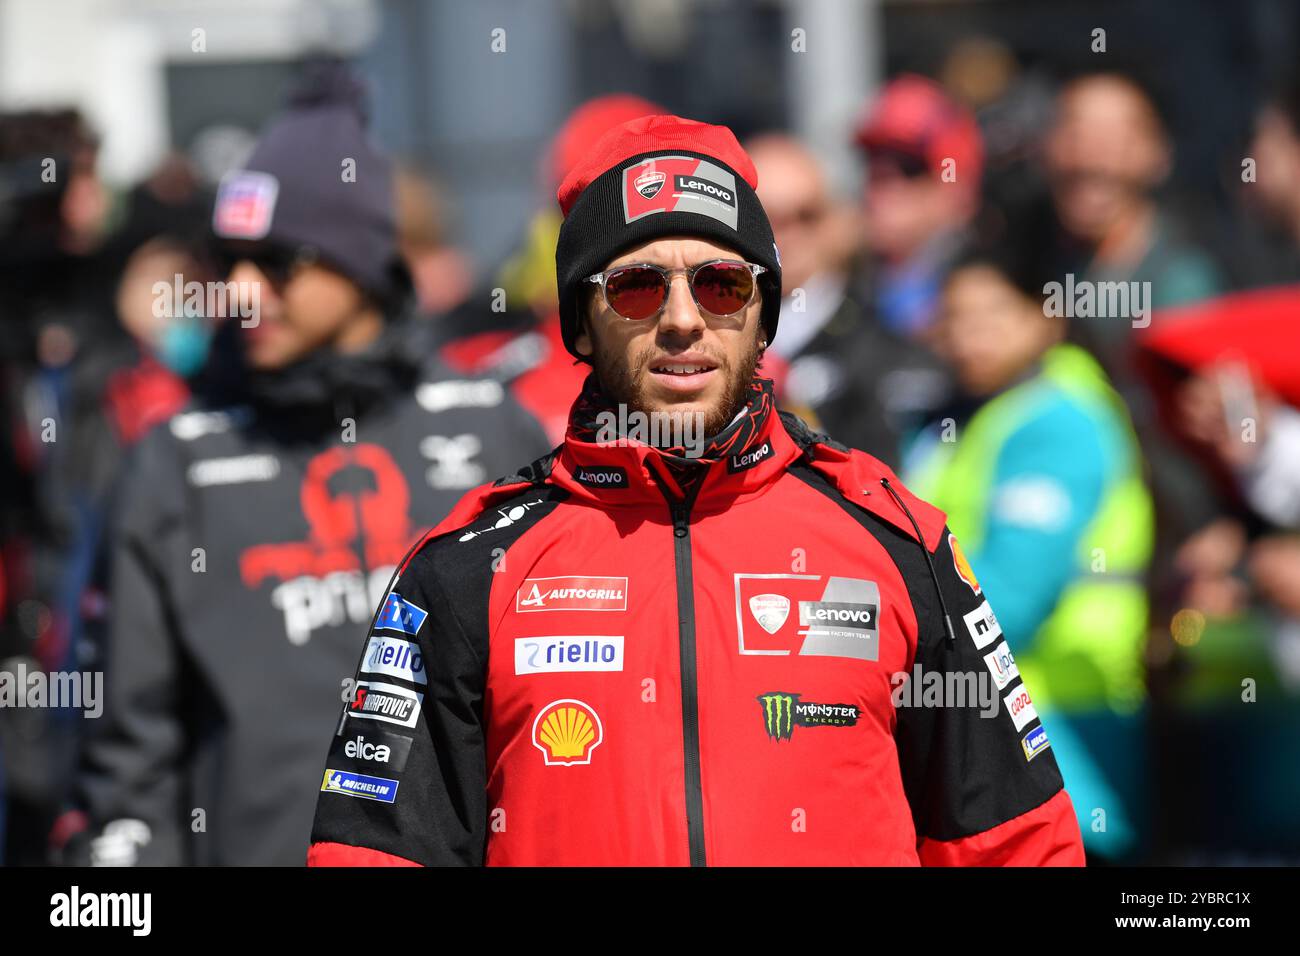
1011, 314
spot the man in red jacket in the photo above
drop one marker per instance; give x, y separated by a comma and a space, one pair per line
696, 632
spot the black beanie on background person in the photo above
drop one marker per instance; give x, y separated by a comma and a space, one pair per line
660, 176
315, 180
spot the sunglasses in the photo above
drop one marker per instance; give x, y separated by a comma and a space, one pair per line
277, 263
721, 287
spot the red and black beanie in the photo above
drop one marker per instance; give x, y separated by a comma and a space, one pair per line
661, 176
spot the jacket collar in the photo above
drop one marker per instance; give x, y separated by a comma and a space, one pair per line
605, 462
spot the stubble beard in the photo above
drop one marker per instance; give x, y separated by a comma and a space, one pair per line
624, 383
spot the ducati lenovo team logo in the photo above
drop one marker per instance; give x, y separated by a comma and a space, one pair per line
648, 184
783, 712
566, 732
572, 592
698, 186
838, 617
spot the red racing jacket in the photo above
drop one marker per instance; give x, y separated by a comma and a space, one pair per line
772, 654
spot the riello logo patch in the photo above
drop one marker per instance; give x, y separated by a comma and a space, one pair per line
783, 712
572, 592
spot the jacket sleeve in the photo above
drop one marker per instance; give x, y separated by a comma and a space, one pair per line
978, 768
130, 777
418, 693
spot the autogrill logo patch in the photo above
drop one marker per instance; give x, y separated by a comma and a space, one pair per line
601, 477
572, 593
783, 712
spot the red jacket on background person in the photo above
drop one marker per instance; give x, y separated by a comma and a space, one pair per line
583, 667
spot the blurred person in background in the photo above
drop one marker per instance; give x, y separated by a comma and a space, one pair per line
1267, 246
1227, 372
924, 170
1105, 154
512, 332
1040, 475
254, 532
442, 273
57, 271
835, 366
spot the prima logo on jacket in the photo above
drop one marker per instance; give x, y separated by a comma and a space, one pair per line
837, 617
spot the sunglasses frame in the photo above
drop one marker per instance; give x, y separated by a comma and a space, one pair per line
600, 278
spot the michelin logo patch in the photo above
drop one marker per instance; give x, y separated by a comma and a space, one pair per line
400, 615
1035, 742
360, 785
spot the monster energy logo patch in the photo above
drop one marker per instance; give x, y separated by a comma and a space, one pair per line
782, 713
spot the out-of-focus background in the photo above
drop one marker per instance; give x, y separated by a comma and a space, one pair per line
1154, 143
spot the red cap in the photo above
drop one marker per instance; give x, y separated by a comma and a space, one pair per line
914, 115
587, 124
652, 134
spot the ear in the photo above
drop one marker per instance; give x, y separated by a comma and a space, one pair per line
582, 341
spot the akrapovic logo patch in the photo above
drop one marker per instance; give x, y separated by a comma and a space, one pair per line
572, 592
600, 476
750, 458
697, 186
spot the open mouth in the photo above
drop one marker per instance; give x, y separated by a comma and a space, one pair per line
681, 375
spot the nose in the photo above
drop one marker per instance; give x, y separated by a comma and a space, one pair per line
248, 277
681, 316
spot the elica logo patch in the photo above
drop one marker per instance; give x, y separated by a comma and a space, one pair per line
245, 205
679, 184
837, 617
400, 615
377, 747
572, 592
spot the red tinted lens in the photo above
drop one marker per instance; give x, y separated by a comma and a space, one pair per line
635, 292
723, 288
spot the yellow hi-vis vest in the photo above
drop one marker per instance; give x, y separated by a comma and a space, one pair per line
1087, 655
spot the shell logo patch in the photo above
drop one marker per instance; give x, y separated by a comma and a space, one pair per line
964, 570
566, 732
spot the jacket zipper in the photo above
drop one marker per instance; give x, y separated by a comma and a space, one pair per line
681, 514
